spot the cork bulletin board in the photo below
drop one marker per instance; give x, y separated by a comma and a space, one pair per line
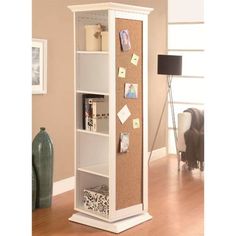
129, 168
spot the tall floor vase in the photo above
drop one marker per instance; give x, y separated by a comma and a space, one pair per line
34, 188
42, 150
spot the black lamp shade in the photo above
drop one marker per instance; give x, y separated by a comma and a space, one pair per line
169, 65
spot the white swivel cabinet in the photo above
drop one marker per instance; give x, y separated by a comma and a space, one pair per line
98, 160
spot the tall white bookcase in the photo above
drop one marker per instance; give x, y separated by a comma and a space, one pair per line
97, 158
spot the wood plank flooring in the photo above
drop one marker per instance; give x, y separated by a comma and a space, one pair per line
176, 202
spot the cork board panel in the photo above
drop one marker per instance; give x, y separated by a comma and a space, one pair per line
129, 168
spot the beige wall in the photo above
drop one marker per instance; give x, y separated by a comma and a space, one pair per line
52, 20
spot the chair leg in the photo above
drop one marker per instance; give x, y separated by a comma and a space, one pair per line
201, 166
179, 158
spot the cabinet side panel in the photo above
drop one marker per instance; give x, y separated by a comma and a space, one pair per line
129, 166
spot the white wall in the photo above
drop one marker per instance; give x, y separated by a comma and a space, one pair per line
186, 37
185, 10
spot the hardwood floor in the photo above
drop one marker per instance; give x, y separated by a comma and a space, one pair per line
176, 202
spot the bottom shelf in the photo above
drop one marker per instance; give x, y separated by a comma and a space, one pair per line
115, 227
92, 194
93, 214
101, 169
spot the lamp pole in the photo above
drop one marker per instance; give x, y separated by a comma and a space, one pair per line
169, 65
171, 100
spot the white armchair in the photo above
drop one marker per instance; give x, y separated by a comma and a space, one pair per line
184, 122
190, 143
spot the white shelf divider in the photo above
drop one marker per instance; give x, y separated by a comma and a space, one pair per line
92, 92
92, 52
100, 169
92, 133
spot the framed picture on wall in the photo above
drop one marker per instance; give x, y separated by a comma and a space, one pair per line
39, 66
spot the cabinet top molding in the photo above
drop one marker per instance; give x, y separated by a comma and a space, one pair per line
110, 6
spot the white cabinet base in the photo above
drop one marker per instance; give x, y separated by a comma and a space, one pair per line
115, 227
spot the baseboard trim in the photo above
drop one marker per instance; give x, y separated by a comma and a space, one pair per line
63, 185
158, 154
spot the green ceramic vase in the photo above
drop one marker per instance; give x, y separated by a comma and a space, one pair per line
42, 150
34, 188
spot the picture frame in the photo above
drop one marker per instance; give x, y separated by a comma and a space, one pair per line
39, 66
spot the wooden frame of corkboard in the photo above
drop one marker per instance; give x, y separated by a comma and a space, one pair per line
129, 166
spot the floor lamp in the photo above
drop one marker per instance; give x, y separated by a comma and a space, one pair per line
169, 65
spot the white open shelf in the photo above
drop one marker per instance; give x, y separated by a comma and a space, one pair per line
80, 122
92, 72
92, 52
92, 150
88, 18
87, 180
92, 133
101, 170
91, 92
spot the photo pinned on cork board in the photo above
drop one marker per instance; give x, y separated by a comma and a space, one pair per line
134, 59
124, 114
122, 72
136, 123
125, 40
131, 91
124, 142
